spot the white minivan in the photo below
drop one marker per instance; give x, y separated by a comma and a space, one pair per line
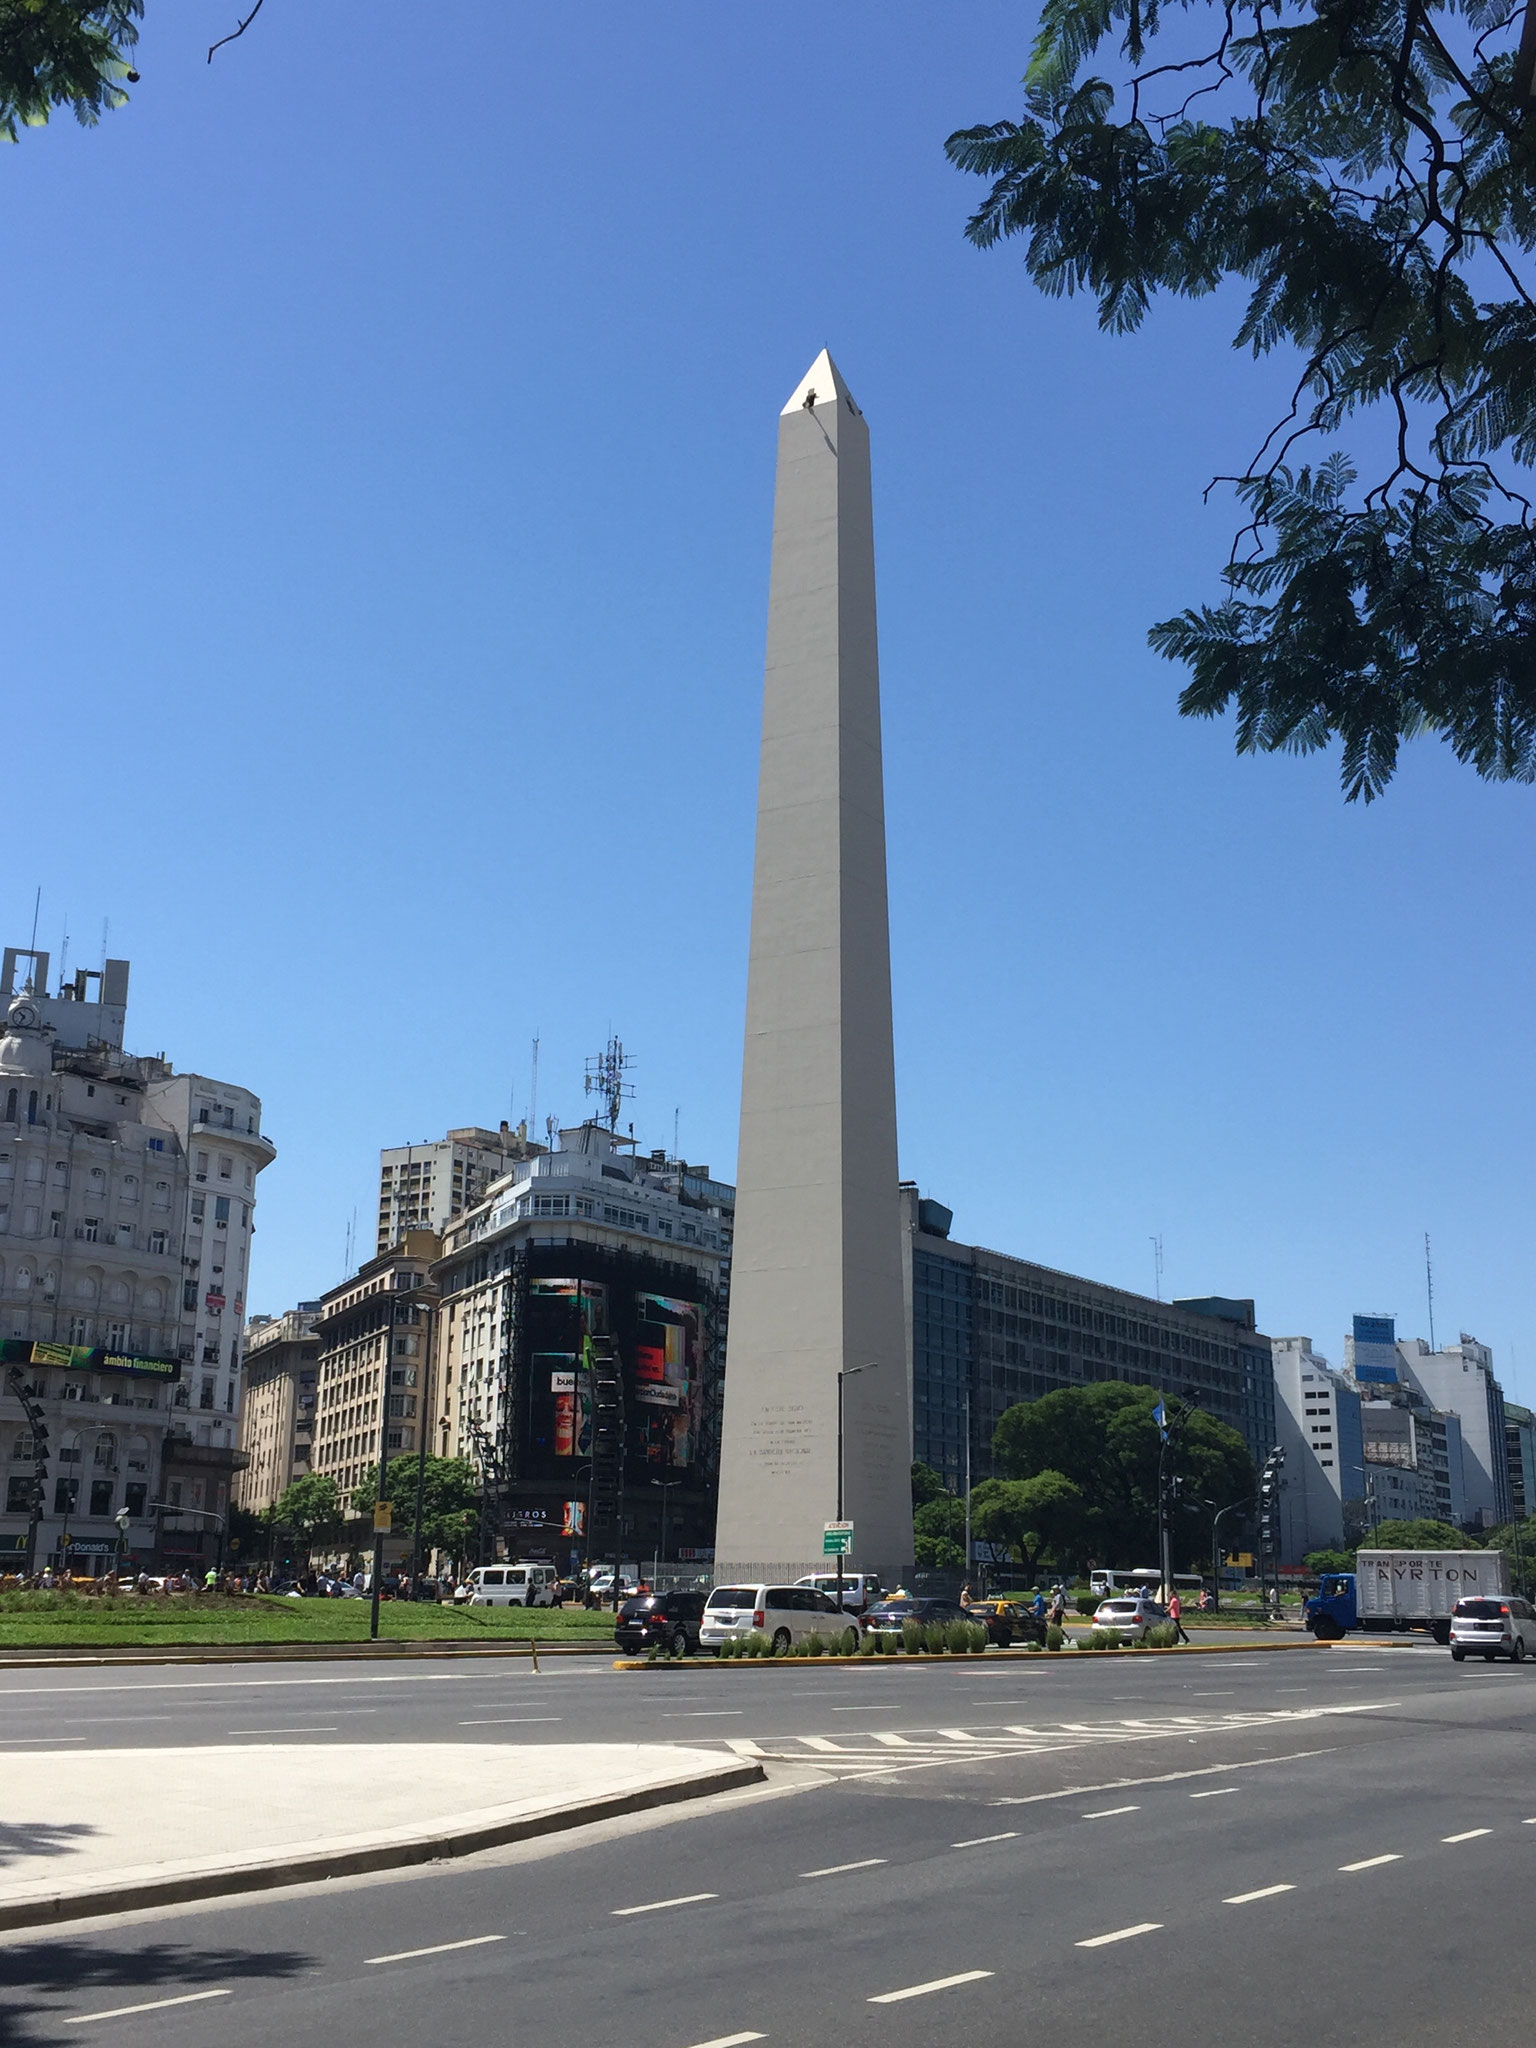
860, 1589
509, 1585
782, 1613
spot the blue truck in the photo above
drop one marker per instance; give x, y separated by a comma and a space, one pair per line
1390, 1591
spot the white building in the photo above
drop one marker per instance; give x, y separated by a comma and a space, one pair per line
1458, 1379
1317, 1415
127, 1195
424, 1187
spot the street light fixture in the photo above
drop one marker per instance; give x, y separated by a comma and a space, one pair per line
845, 1372
659, 1559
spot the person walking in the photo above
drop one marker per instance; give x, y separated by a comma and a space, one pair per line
1176, 1615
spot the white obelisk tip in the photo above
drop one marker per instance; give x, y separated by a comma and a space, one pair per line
821, 385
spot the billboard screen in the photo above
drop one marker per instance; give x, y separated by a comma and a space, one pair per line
659, 1342
87, 1358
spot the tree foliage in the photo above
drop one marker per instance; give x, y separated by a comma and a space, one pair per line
1364, 171
309, 1506
64, 53
1030, 1518
450, 1506
1103, 1440
1423, 1535
938, 1533
1329, 1561
927, 1485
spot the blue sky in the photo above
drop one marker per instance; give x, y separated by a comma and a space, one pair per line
390, 459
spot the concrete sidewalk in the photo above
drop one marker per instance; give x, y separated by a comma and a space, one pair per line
111, 1831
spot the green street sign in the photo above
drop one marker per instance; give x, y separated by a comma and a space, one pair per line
837, 1539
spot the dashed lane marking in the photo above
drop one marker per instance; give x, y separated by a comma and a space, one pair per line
1370, 1862
438, 1948
837, 1869
730, 2041
1109, 1812
122, 2012
1218, 1792
320, 1729
980, 1841
511, 1721
1121, 1934
661, 1905
1269, 1891
1470, 1835
922, 1990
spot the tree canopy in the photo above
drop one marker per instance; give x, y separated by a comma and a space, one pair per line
1364, 172
450, 1507
938, 1534
1043, 1515
1422, 1535
309, 1505
1102, 1440
64, 53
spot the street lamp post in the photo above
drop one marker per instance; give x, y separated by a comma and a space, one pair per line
1230, 1508
659, 1559
1167, 1427
380, 1490
844, 1372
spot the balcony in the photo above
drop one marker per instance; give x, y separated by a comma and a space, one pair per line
182, 1453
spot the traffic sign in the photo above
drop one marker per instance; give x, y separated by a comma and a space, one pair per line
837, 1539
383, 1517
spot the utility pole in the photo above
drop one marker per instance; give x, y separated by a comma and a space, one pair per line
381, 1508
967, 1486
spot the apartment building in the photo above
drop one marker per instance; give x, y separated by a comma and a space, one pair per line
424, 1187
374, 1335
1322, 1489
277, 1415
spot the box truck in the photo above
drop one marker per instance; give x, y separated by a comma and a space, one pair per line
1391, 1590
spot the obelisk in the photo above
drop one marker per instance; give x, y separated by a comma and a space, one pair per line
816, 1268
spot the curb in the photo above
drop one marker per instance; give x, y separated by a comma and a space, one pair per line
401, 1853
290, 1653
964, 1656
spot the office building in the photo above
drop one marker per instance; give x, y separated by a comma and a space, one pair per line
817, 1310
1322, 1490
127, 1199
374, 1333
277, 1415
987, 1329
424, 1187
586, 1268
1520, 1458
1457, 1385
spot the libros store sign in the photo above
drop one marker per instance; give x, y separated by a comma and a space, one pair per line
87, 1358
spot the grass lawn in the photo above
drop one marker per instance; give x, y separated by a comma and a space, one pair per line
72, 1621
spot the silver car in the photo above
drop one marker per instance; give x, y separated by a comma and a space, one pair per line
1130, 1617
1490, 1628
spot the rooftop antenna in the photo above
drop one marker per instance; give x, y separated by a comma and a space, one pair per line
1429, 1289
37, 904
64, 955
551, 1125
533, 1088
605, 1078
351, 1234
106, 926
1157, 1265
675, 1115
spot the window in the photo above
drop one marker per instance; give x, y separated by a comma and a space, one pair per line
157, 1144
157, 1241
104, 1457
89, 1228
135, 1497
18, 1494
221, 1212
189, 1294
198, 1202
130, 1188
65, 1493
101, 1496
205, 1392
202, 1166
56, 1223
125, 1233
226, 1167
70, 1449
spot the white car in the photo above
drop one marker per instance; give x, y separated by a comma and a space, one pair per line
1491, 1628
860, 1589
508, 1585
785, 1614
1129, 1616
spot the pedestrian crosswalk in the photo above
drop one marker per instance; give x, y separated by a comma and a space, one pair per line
886, 1752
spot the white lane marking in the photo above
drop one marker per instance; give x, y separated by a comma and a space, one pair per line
957, 1735
1471, 1835
884, 1707
1370, 1862
510, 1721
837, 1869
1531, 1823
1220, 1792
706, 1713
743, 1745
252, 1684
1295, 1756
889, 1741
331, 1729
823, 1744
438, 1948
1228, 1692
1270, 1891
35, 1741
979, 1841
660, 1905
1120, 1934
1109, 1812
922, 1990
121, 2012
730, 2041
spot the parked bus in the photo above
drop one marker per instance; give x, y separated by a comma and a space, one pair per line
1146, 1579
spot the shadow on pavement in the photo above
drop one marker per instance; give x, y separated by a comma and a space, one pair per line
124, 1976
20, 1839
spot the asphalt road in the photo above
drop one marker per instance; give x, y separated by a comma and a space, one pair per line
1226, 1849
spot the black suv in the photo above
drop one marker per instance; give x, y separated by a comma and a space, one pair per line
660, 1621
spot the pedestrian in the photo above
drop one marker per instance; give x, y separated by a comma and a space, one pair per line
1176, 1615
1037, 1605
965, 1594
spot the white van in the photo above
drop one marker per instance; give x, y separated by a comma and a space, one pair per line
509, 1585
783, 1613
860, 1589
